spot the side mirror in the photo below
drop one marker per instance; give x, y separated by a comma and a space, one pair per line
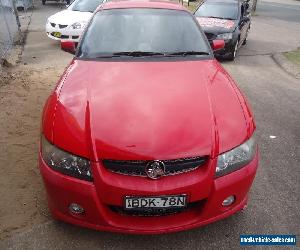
218, 44
68, 46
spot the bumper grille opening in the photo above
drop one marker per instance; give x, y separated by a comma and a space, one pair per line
61, 26
147, 212
210, 36
137, 168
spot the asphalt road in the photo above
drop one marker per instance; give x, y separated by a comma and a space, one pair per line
289, 12
275, 99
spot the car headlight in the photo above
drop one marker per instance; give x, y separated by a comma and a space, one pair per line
78, 25
236, 158
225, 36
65, 162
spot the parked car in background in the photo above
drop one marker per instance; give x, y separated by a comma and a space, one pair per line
146, 132
229, 20
70, 23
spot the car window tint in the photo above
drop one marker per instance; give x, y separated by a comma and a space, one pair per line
218, 10
146, 30
85, 5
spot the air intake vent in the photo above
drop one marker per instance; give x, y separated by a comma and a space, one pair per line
172, 167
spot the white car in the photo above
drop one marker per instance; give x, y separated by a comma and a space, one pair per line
69, 24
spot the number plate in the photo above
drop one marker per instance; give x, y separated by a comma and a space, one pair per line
57, 34
137, 203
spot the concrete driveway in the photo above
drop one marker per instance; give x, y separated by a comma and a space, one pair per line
275, 98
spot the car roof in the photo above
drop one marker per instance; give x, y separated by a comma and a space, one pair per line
128, 4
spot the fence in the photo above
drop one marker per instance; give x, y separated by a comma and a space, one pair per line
24, 4
9, 27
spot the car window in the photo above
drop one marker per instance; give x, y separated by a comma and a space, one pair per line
218, 10
144, 30
85, 5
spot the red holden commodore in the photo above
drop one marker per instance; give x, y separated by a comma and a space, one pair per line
145, 131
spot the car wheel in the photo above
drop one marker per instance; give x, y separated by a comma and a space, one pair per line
232, 54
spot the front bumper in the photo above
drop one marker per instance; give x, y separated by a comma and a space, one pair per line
66, 33
109, 189
227, 50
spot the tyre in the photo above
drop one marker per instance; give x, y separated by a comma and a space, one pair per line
232, 54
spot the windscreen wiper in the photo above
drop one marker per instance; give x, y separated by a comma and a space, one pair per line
137, 53
147, 53
218, 17
187, 53
129, 54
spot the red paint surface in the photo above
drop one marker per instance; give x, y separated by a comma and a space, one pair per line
63, 190
143, 111
164, 110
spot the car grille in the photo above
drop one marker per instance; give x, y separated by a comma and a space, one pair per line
53, 25
146, 212
210, 36
61, 26
137, 168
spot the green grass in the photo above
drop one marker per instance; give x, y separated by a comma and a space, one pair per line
193, 5
293, 56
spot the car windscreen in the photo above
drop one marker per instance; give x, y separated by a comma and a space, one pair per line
139, 31
218, 10
85, 5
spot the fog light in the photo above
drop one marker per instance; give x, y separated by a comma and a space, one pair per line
76, 209
228, 201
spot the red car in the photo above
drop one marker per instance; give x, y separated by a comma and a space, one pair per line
145, 131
